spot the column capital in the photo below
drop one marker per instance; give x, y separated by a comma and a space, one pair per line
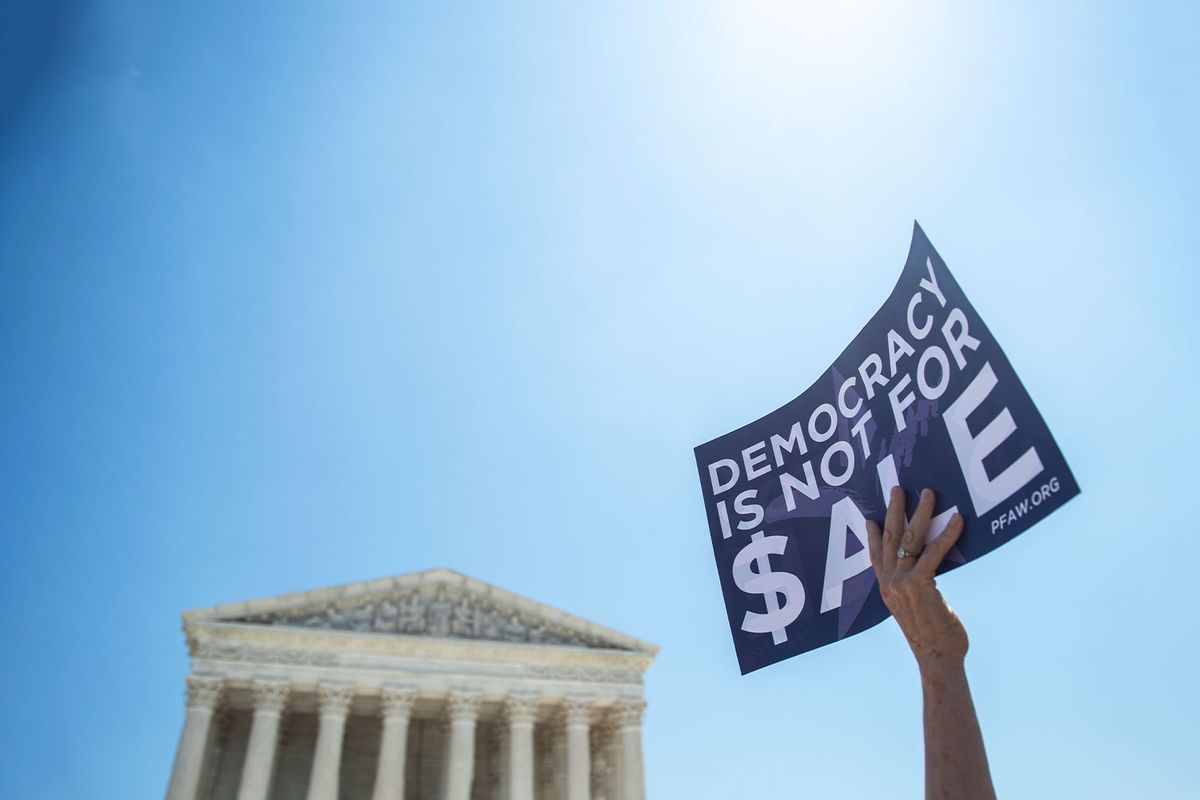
577, 711
396, 702
203, 691
520, 709
270, 695
628, 713
462, 707
334, 698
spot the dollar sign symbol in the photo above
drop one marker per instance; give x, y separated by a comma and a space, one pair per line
770, 585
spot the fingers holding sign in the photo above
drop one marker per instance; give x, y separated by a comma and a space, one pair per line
905, 569
936, 550
893, 530
912, 541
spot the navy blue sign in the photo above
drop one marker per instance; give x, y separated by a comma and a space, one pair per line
923, 397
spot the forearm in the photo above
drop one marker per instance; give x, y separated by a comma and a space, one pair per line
955, 762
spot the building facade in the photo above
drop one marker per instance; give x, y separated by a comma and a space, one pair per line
429, 686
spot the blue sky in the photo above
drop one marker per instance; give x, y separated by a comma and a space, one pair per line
302, 293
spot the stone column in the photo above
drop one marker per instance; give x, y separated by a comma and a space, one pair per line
461, 713
577, 717
202, 696
396, 708
519, 713
333, 704
270, 697
631, 779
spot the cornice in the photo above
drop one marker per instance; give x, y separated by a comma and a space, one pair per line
331, 647
246, 650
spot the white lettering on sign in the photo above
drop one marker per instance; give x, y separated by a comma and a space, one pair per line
986, 493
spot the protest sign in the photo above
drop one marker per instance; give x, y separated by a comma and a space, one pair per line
922, 397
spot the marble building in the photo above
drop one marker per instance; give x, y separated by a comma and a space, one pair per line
428, 686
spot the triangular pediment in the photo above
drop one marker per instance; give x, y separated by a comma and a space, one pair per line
437, 603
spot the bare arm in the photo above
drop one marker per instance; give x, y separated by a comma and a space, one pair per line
955, 762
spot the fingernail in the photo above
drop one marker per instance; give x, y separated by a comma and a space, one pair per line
897, 492
927, 494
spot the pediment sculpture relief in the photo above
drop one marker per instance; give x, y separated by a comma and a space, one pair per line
432, 612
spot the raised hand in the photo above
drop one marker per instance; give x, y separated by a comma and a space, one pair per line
905, 567
956, 766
